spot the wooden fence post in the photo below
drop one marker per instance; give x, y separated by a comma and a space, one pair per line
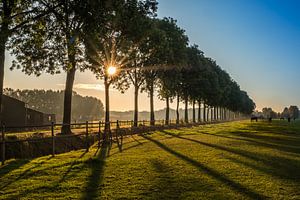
117, 129
53, 139
3, 144
87, 135
99, 134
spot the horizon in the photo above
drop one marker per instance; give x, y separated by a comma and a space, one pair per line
259, 44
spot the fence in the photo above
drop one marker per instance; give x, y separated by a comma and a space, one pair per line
34, 141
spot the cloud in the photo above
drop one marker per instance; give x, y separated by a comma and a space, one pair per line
86, 86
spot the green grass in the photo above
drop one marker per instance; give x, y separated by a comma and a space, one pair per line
237, 160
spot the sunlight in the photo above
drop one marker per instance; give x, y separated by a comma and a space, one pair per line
111, 70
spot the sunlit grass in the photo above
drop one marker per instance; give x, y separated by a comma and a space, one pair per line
238, 160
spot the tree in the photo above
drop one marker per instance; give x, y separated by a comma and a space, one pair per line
114, 46
158, 58
15, 15
175, 58
285, 113
135, 66
54, 42
49, 101
268, 112
293, 112
189, 87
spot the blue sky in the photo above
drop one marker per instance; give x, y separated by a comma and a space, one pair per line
257, 42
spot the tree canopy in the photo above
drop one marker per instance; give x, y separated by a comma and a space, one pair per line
51, 102
152, 54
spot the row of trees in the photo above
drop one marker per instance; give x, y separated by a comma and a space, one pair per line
291, 112
150, 54
51, 102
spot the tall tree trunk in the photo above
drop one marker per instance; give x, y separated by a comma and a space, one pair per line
151, 93
2, 61
66, 128
167, 110
194, 112
136, 112
107, 116
211, 114
199, 111
204, 112
215, 113
186, 112
177, 110
207, 117
223, 113
3, 40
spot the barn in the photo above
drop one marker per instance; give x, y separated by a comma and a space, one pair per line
16, 113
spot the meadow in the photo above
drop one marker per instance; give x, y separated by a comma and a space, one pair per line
234, 160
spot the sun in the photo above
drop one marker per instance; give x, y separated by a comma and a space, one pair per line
111, 70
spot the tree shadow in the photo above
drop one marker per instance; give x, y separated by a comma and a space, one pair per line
65, 175
279, 139
276, 127
11, 166
97, 172
128, 148
119, 140
165, 186
55, 185
169, 186
26, 173
211, 172
283, 168
282, 146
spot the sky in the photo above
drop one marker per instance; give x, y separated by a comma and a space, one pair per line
256, 41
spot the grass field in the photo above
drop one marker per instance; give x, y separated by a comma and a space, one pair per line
236, 160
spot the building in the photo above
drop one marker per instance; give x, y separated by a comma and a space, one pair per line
16, 113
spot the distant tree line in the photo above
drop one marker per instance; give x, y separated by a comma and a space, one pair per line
51, 102
291, 112
150, 54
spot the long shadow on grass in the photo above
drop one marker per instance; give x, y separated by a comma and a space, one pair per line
279, 139
282, 146
66, 174
11, 166
170, 184
211, 172
281, 167
97, 172
276, 127
24, 174
44, 187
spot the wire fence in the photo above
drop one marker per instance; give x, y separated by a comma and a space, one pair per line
35, 141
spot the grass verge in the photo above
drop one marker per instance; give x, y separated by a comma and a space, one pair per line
236, 160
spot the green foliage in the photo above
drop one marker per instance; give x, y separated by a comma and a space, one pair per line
238, 160
49, 101
53, 42
294, 112
116, 41
150, 53
204, 81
